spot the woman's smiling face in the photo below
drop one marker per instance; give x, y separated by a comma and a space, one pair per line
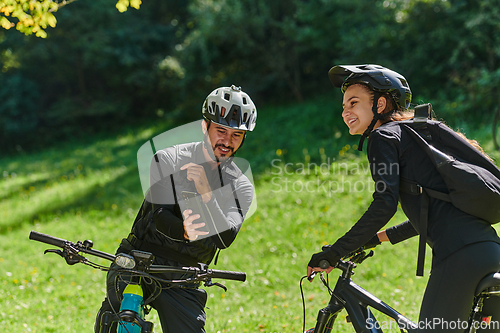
357, 105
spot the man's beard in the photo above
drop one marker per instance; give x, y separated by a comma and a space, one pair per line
211, 150
229, 154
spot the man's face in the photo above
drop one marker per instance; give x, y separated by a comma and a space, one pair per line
224, 141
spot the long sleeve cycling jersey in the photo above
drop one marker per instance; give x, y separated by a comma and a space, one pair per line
160, 220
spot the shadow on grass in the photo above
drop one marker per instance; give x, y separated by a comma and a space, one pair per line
123, 190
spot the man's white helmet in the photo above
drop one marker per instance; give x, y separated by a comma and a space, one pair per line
230, 107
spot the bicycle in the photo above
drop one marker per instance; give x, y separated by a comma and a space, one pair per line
357, 301
134, 269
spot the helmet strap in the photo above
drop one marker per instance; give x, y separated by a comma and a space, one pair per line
376, 117
241, 144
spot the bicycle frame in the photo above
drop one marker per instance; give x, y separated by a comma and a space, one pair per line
357, 301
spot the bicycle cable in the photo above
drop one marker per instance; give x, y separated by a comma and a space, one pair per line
303, 303
95, 266
326, 283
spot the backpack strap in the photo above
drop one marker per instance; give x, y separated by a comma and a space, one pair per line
422, 242
436, 156
414, 188
422, 114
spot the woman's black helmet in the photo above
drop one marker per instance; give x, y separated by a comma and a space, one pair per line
377, 78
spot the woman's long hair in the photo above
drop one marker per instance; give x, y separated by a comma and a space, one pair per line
399, 115
391, 113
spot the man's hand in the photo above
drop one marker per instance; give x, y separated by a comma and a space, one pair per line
190, 227
327, 254
196, 173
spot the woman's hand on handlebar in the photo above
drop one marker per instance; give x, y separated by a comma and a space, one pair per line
320, 260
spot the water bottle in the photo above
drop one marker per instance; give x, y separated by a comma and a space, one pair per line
132, 301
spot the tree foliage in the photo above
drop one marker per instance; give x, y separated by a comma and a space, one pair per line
454, 55
34, 16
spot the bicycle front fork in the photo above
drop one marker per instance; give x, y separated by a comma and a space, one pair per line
326, 319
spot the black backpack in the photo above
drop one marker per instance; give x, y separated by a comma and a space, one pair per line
473, 181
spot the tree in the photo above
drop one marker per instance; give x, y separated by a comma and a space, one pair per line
100, 66
33, 16
283, 48
451, 53
98, 69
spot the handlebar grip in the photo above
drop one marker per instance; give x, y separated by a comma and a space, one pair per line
324, 264
227, 275
37, 236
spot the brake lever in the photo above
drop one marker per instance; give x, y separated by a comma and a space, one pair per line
311, 277
59, 252
370, 254
209, 283
358, 258
71, 259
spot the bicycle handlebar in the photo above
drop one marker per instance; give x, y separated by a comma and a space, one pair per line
62, 243
86, 248
47, 239
228, 275
324, 264
357, 256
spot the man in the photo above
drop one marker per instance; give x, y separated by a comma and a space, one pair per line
166, 224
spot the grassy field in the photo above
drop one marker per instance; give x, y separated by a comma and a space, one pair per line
91, 190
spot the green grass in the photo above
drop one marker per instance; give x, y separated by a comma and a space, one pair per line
92, 191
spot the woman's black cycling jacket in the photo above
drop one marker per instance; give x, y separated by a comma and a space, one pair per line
392, 154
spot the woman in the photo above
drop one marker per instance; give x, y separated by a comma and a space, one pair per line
465, 248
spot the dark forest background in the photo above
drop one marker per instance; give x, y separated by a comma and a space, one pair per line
100, 69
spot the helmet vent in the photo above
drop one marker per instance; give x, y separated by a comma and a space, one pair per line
222, 111
245, 117
227, 96
245, 101
212, 109
403, 82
